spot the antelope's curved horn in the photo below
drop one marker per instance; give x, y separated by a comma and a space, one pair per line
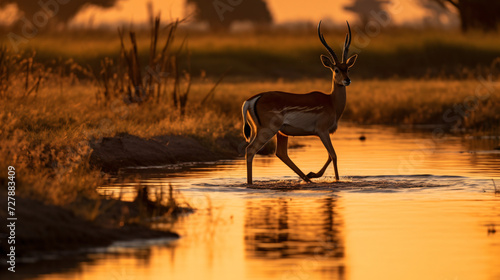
347, 43
322, 39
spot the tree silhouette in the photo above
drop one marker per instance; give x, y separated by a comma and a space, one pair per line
365, 9
437, 13
59, 13
220, 14
475, 14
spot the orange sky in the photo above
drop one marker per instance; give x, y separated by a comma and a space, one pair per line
283, 11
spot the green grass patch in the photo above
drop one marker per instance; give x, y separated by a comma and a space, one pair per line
403, 53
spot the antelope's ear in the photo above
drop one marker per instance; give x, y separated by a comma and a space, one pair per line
350, 62
327, 62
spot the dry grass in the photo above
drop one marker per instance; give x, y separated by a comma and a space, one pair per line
466, 106
46, 137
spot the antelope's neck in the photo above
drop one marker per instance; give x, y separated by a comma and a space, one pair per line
339, 99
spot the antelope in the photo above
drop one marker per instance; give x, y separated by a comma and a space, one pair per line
288, 114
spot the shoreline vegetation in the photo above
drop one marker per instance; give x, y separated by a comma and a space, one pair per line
66, 123
44, 228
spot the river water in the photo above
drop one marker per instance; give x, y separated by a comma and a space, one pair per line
411, 205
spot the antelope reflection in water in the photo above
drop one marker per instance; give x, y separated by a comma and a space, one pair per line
307, 228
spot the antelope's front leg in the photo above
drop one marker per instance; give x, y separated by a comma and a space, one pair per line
282, 153
327, 142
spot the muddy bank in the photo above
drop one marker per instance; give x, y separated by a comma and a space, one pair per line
42, 228
125, 150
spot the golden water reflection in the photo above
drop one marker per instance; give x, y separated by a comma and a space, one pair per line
418, 234
309, 229
284, 228
424, 237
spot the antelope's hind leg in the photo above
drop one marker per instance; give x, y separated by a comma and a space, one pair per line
261, 138
322, 171
282, 153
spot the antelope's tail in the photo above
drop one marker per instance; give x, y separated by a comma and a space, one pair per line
247, 130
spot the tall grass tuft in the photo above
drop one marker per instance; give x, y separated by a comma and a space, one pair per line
18, 73
165, 70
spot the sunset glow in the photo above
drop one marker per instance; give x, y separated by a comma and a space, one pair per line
282, 10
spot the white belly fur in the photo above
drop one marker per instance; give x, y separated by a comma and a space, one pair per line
299, 123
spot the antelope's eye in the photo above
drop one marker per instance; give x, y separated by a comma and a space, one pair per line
336, 71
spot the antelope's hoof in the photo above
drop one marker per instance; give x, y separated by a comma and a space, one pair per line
312, 175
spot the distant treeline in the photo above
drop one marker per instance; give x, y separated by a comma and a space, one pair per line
401, 53
51, 13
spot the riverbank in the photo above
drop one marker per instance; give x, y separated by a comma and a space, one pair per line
111, 154
43, 228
